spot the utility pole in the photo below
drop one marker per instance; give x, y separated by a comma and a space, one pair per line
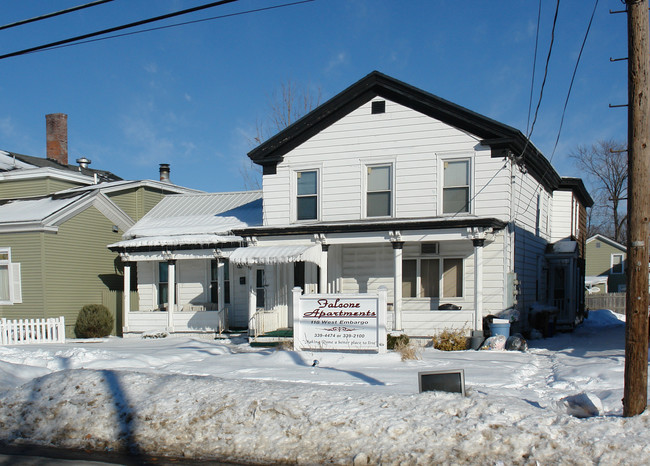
635, 391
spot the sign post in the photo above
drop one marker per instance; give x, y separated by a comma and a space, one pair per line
348, 322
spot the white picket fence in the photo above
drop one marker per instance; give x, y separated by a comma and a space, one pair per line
22, 332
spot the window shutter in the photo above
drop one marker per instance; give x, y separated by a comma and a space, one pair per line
16, 283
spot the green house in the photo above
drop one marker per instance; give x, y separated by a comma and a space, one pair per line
605, 258
53, 255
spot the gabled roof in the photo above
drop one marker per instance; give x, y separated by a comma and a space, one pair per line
605, 239
194, 219
46, 213
578, 188
122, 185
500, 137
10, 161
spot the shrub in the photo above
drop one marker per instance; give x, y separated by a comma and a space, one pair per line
451, 340
93, 321
391, 341
407, 350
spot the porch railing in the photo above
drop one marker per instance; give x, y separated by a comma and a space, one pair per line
262, 322
23, 331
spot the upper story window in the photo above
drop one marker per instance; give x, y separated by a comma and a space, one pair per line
456, 186
617, 264
10, 286
307, 195
379, 191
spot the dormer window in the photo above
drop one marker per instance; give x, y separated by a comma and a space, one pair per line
307, 195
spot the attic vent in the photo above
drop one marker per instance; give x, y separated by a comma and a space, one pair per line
429, 248
378, 106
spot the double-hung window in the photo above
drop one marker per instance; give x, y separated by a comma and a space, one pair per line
10, 287
214, 281
307, 195
432, 278
163, 283
379, 191
617, 264
456, 186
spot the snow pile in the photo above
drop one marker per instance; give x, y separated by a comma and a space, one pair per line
228, 401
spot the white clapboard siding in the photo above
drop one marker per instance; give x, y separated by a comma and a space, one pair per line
411, 141
561, 219
367, 267
146, 285
193, 285
429, 323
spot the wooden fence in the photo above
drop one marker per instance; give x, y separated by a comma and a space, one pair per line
612, 301
21, 332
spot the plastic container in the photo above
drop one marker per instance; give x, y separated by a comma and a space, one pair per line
500, 327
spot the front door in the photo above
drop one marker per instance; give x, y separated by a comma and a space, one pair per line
260, 289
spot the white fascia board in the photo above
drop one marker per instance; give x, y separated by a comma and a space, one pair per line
45, 172
607, 240
159, 256
27, 227
111, 211
116, 186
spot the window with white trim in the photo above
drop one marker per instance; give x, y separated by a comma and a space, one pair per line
432, 278
10, 283
616, 264
307, 195
379, 192
214, 281
163, 282
456, 186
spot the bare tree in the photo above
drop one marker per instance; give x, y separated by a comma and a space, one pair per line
604, 164
287, 104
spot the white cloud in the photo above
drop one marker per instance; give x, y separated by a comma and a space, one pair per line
6, 127
151, 68
188, 97
336, 61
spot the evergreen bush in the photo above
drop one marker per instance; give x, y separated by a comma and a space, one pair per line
93, 321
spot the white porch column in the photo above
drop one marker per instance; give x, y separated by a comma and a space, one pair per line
252, 295
171, 293
220, 284
478, 284
397, 284
323, 269
126, 299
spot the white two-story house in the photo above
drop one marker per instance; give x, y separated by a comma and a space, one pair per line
388, 185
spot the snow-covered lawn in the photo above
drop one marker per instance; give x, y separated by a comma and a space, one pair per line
224, 399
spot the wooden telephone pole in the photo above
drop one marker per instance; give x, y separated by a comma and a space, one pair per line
635, 392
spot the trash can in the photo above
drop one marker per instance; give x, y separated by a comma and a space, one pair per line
500, 327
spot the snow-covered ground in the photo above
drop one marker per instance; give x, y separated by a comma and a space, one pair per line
226, 400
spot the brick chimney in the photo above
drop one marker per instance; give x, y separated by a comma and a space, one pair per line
164, 173
56, 128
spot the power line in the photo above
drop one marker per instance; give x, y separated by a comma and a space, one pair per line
177, 24
117, 28
56, 13
575, 69
532, 80
548, 59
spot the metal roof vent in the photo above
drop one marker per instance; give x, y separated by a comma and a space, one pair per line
83, 162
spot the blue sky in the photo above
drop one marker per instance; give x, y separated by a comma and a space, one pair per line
192, 95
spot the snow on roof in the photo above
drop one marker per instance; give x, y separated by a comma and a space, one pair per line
564, 247
177, 240
33, 210
125, 184
199, 214
9, 162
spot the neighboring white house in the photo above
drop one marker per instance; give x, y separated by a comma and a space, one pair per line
457, 215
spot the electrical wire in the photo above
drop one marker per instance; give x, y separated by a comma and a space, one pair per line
532, 80
177, 24
52, 15
117, 28
575, 69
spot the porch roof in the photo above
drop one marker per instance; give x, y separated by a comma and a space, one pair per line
174, 241
276, 254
